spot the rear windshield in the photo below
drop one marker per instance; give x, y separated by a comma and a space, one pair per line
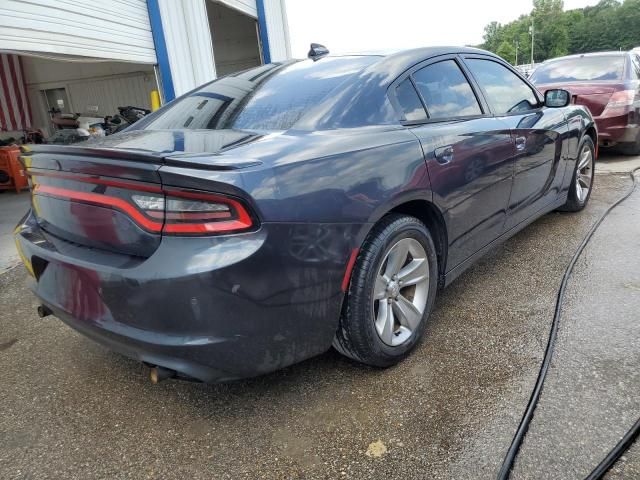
271, 97
580, 69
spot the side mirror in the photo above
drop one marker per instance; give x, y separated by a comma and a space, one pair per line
556, 98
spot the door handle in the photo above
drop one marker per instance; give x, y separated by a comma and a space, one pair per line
521, 143
444, 154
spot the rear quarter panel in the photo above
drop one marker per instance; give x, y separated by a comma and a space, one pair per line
336, 176
340, 176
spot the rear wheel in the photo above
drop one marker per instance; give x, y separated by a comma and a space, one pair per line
391, 293
582, 181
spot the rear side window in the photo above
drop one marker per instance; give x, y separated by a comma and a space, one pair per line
505, 91
410, 102
580, 69
446, 91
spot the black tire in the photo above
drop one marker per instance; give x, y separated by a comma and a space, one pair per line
574, 203
357, 337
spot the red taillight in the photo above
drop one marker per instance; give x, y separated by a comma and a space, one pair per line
186, 212
99, 199
619, 103
156, 209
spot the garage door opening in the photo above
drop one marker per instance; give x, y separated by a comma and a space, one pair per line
89, 89
235, 39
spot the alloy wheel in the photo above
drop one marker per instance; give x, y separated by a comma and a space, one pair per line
584, 174
401, 291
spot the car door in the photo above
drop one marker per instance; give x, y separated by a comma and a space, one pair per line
468, 152
539, 136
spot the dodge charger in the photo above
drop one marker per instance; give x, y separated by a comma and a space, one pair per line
258, 220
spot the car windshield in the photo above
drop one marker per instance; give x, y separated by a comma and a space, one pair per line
580, 69
271, 97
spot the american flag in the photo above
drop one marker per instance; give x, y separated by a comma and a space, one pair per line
14, 106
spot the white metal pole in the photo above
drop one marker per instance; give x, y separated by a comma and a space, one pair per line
532, 41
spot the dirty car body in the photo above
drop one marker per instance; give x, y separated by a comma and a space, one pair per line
215, 237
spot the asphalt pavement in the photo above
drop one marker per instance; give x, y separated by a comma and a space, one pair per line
71, 409
13, 206
590, 398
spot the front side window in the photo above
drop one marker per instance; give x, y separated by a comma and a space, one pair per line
506, 92
446, 91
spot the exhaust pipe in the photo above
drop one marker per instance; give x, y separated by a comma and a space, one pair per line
44, 311
158, 374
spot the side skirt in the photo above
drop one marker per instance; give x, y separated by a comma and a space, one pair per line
455, 272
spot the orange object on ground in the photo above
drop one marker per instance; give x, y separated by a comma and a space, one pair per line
11, 167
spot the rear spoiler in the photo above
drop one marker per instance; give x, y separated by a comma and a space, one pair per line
114, 153
200, 161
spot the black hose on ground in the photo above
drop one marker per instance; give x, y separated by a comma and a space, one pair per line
622, 446
509, 459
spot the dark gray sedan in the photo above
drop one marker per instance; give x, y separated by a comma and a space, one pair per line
259, 219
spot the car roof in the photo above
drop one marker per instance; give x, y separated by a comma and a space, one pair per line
393, 63
416, 51
590, 54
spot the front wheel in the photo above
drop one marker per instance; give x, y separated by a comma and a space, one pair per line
582, 180
391, 293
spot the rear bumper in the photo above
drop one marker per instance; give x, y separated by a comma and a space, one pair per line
614, 130
214, 309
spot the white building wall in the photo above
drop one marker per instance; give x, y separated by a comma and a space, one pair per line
187, 36
188, 40
115, 29
120, 30
277, 30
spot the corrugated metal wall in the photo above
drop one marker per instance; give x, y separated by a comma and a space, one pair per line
109, 93
277, 29
114, 29
188, 39
187, 34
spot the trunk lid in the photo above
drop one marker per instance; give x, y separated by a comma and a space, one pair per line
86, 193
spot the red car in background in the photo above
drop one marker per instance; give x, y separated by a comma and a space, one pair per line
608, 83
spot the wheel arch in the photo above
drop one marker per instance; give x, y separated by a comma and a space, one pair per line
593, 133
429, 214
424, 211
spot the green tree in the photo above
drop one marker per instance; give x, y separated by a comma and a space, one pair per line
492, 36
507, 51
608, 25
550, 30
